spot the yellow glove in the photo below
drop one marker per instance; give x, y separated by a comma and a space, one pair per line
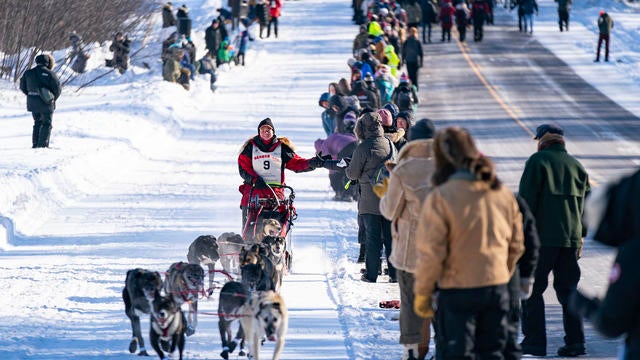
381, 189
422, 306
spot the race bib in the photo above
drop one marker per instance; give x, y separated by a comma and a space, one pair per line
268, 164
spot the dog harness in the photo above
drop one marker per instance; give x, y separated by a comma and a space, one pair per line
165, 332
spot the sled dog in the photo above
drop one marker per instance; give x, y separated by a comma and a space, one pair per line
268, 319
167, 326
276, 246
204, 251
232, 298
140, 288
183, 283
229, 245
257, 255
268, 227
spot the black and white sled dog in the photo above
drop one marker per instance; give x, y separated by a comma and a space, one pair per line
229, 245
232, 298
184, 283
168, 326
204, 251
268, 318
276, 246
140, 288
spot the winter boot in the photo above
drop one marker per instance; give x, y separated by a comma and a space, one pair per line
410, 352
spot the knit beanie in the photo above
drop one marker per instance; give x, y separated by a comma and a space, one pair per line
393, 109
267, 122
385, 116
423, 129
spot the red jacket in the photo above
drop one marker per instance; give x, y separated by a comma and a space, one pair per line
274, 8
290, 160
446, 16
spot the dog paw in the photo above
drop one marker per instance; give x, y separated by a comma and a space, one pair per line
242, 353
133, 345
225, 355
190, 330
232, 346
143, 353
210, 292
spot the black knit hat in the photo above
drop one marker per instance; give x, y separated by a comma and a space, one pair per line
267, 122
423, 129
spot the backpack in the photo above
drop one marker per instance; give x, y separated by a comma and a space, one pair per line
404, 100
382, 172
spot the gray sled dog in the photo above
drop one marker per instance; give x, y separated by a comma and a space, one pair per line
268, 319
140, 288
184, 283
204, 251
229, 245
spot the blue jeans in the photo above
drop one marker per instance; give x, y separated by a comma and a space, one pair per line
528, 22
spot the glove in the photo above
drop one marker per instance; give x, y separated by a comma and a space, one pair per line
318, 160
381, 189
422, 306
526, 286
260, 183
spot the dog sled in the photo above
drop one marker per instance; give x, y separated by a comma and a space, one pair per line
280, 209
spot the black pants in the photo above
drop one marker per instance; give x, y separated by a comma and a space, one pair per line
274, 21
603, 38
520, 18
462, 30
478, 30
378, 234
566, 274
563, 19
412, 71
512, 350
446, 33
471, 322
41, 129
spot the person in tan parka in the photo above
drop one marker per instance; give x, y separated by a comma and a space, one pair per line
469, 239
409, 184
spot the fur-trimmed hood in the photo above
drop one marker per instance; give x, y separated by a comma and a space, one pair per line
395, 136
46, 60
422, 148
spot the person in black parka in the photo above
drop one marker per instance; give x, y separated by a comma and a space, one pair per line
618, 225
121, 46
168, 19
521, 282
31, 82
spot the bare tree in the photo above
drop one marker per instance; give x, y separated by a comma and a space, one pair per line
29, 27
